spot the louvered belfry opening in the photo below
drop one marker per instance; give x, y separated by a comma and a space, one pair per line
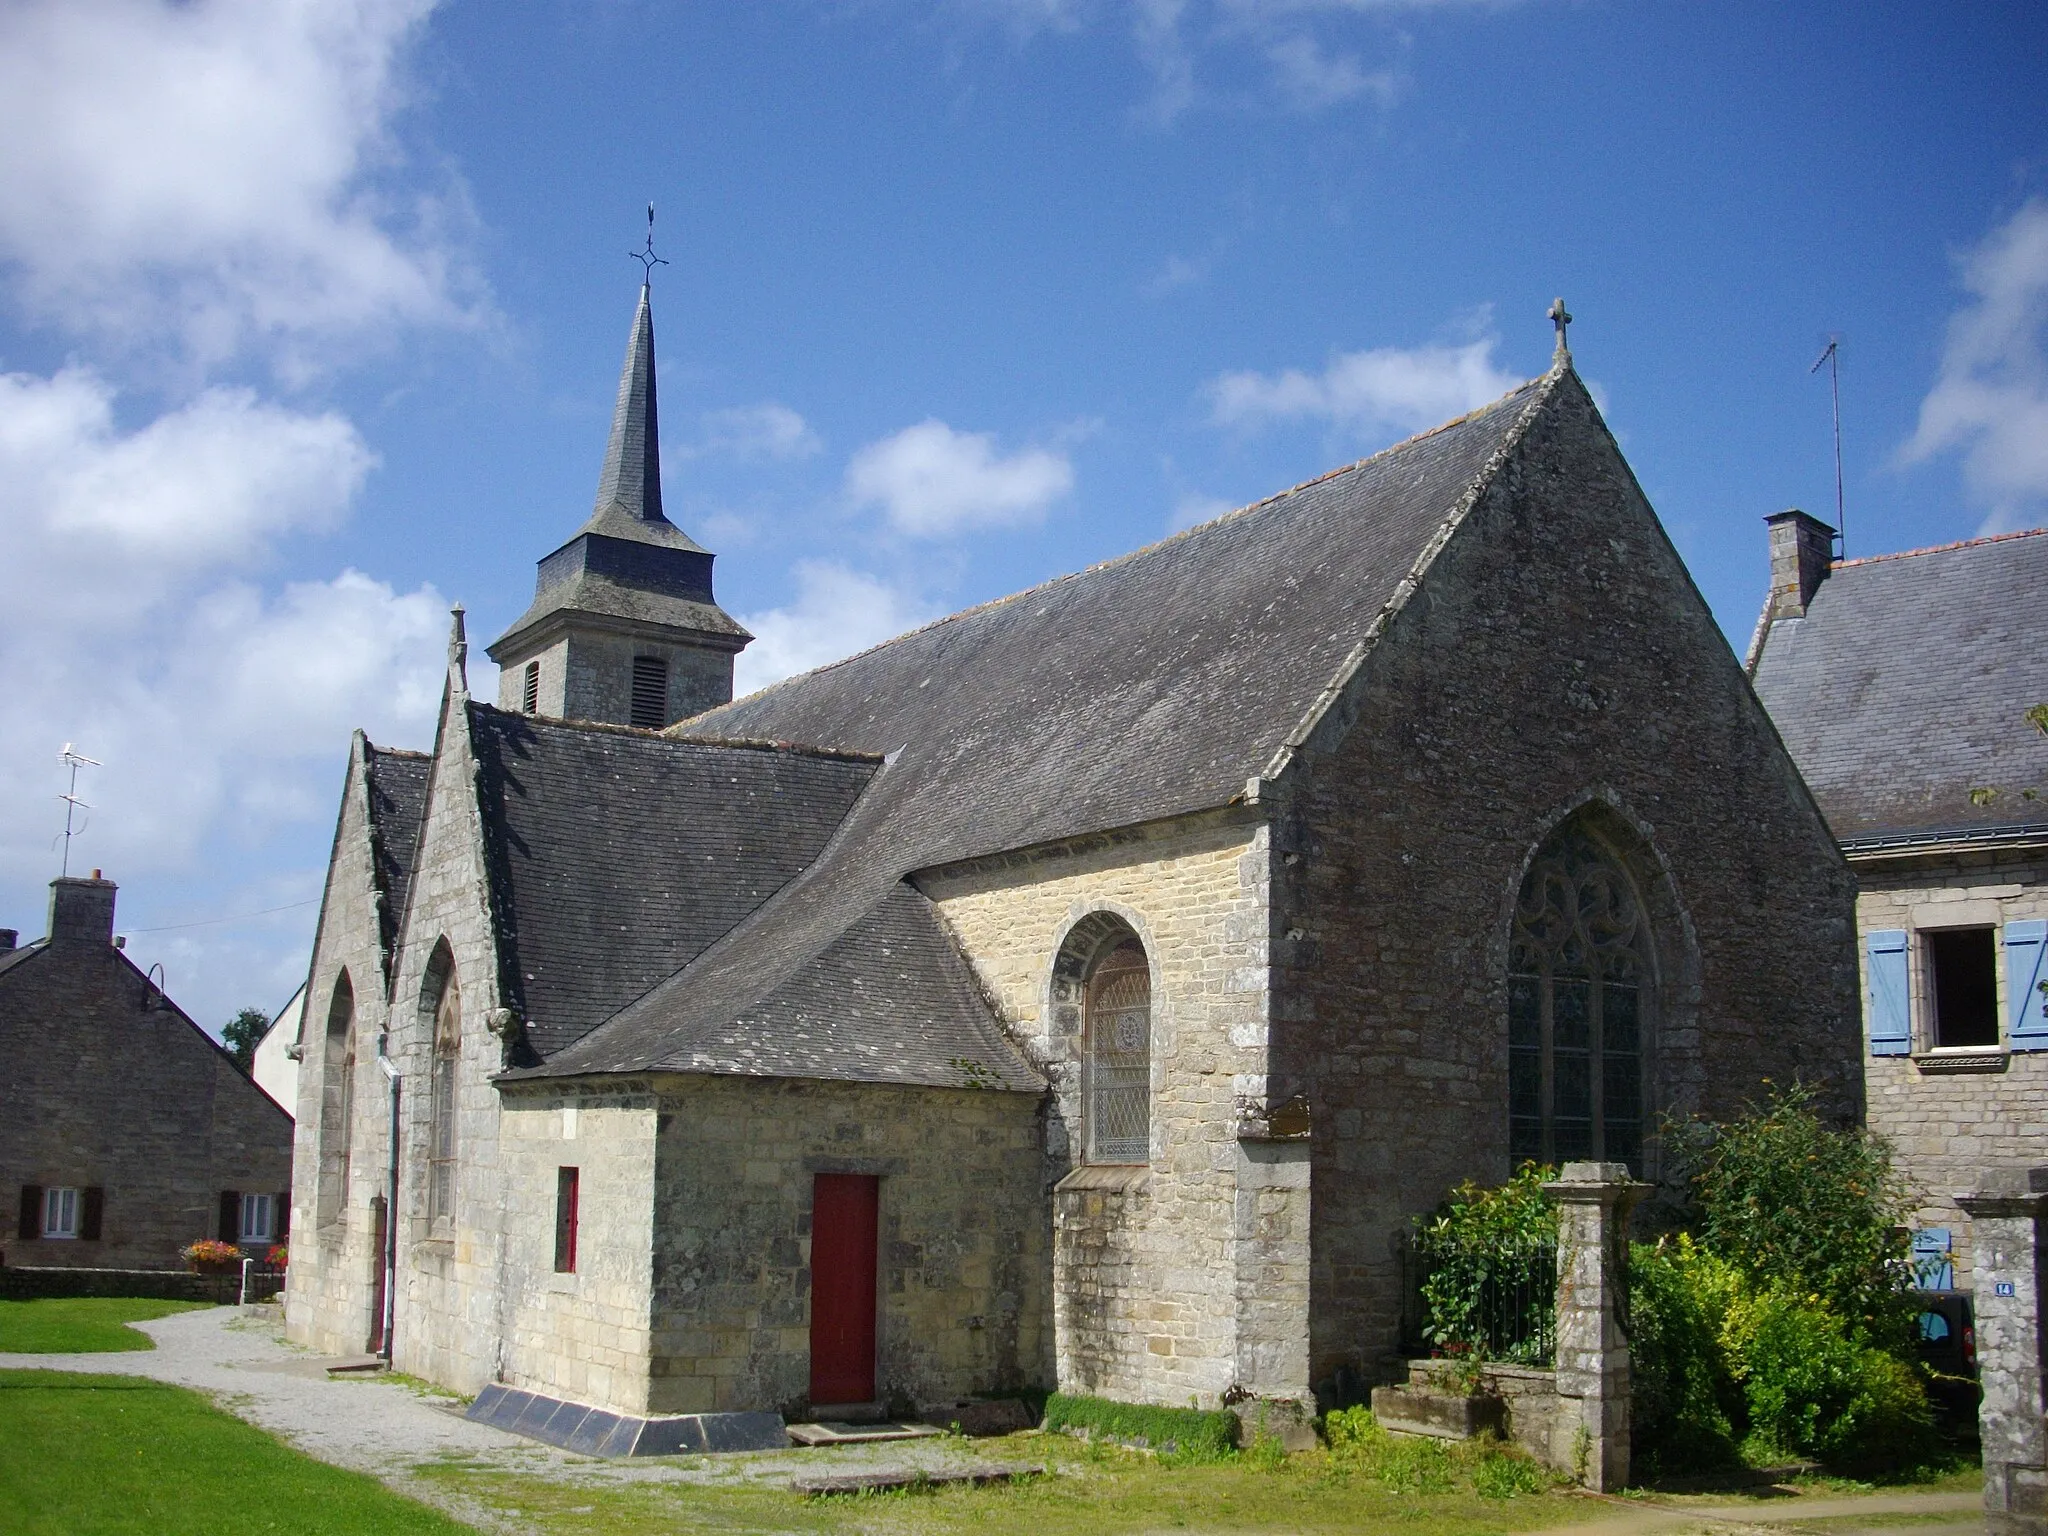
530, 696
650, 692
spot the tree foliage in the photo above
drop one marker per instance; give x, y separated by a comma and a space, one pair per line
1796, 1203
242, 1033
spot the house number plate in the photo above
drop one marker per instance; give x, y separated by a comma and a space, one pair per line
2002, 1288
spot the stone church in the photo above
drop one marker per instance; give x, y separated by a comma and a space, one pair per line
1084, 990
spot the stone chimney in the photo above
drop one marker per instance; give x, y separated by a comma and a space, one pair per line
1802, 552
82, 911
8, 938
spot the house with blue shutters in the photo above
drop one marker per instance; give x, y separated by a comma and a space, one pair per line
1912, 690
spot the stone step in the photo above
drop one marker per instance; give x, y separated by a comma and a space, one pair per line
839, 1432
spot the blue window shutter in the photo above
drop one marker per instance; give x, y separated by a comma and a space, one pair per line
2026, 1008
1891, 1032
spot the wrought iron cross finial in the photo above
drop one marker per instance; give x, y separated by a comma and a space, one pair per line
647, 259
1560, 317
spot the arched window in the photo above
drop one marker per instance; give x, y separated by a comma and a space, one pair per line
337, 1099
442, 1002
1117, 1077
1578, 973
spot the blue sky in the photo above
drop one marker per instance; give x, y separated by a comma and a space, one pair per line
311, 313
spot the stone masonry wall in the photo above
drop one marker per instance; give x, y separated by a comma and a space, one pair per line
1947, 1125
962, 1238
1556, 658
599, 682
337, 1169
99, 1091
451, 1319
582, 1336
1171, 1321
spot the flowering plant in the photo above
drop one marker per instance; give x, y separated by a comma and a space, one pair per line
210, 1255
278, 1257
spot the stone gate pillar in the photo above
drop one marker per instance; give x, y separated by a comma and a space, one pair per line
1591, 1434
2005, 1233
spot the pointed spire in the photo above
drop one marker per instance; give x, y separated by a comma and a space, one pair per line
631, 481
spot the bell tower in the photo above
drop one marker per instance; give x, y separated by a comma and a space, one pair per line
623, 626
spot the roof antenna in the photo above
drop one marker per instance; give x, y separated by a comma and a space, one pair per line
647, 259
1833, 358
1560, 317
72, 804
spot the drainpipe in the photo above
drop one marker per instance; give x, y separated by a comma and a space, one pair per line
397, 1082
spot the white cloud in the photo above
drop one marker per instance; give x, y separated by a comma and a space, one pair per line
837, 612
220, 173
220, 712
933, 481
1990, 399
1385, 389
753, 432
1311, 77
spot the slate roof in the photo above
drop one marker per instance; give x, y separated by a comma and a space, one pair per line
1151, 686
19, 953
617, 856
1904, 687
398, 804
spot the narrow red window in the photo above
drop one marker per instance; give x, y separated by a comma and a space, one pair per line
566, 1181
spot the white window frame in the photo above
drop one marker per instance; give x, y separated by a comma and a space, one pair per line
259, 1218
63, 1204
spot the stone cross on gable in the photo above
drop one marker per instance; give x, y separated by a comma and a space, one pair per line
1560, 317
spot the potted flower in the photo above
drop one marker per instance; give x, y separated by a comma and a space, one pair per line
278, 1257
211, 1257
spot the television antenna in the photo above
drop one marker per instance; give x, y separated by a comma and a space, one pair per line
72, 804
1833, 358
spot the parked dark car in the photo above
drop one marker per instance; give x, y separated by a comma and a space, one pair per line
1948, 1332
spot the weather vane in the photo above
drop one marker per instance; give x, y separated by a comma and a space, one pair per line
647, 259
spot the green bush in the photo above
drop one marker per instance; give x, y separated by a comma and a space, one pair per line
1490, 1270
1185, 1434
1793, 1202
1813, 1386
1688, 1411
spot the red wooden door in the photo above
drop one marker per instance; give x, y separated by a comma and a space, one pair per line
844, 1211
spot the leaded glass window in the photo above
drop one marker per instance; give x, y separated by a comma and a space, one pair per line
1119, 1060
441, 1119
1576, 982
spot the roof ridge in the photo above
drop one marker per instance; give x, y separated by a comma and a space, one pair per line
1144, 549
405, 752
1939, 549
646, 733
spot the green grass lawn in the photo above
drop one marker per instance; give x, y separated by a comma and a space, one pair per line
1099, 1491
80, 1324
86, 1455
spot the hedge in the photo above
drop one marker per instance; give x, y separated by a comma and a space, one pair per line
1187, 1433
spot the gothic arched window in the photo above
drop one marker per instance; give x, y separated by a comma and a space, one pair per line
337, 1099
1118, 1082
444, 997
1577, 994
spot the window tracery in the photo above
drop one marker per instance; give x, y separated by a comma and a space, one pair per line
1577, 983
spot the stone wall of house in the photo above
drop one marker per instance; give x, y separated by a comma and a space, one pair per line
338, 1168
583, 1335
1950, 1114
104, 1085
1173, 1285
963, 1254
1556, 659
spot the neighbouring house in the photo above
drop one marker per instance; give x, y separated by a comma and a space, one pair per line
126, 1131
276, 1067
1903, 685
1084, 990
